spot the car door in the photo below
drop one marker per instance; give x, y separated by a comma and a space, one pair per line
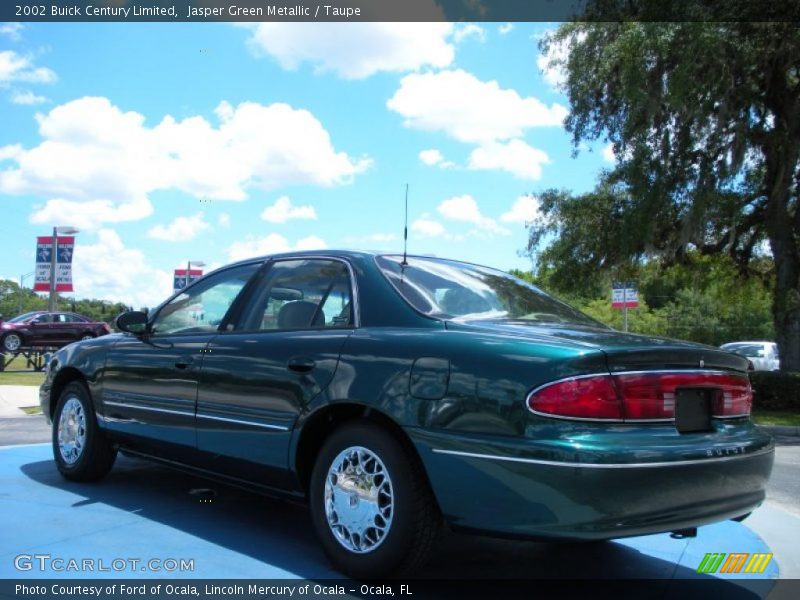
61, 329
76, 326
256, 381
41, 331
150, 381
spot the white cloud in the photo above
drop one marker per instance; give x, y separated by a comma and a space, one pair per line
505, 28
465, 208
91, 214
515, 156
468, 109
11, 152
427, 227
11, 31
551, 64
27, 98
224, 220
17, 68
181, 229
608, 153
340, 47
431, 157
273, 243
524, 210
91, 152
434, 158
311, 242
465, 31
283, 210
109, 270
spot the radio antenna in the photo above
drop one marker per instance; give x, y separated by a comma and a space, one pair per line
405, 234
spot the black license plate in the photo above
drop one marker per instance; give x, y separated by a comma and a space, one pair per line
692, 410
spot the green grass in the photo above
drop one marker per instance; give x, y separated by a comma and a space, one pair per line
21, 378
17, 372
777, 417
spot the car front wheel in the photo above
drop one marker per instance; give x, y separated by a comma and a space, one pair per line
80, 448
12, 342
371, 504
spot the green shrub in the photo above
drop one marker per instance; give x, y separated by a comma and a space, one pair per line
775, 390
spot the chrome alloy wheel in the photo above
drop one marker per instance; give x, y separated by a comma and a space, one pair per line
72, 430
359, 500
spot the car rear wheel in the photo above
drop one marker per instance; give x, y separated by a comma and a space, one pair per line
80, 448
12, 342
371, 504
87, 336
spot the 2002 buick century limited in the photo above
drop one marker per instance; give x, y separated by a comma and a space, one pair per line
399, 395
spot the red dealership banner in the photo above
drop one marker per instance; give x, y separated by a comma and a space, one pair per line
180, 280
624, 294
64, 247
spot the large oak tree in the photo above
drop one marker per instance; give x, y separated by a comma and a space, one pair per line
704, 118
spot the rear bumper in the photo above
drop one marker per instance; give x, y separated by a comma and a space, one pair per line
489, 487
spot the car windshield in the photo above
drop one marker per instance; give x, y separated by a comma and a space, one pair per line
453, 290
23, 317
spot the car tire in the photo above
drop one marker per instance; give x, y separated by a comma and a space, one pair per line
86, 336
402, 537
12, 342
80, 448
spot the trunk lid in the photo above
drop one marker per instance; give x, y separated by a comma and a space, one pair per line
624, 351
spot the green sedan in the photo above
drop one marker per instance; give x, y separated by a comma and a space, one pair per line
399, 395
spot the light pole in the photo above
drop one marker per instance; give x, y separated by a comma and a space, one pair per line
51, 303
22, 279
189, 265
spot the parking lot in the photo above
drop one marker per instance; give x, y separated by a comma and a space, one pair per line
147, 512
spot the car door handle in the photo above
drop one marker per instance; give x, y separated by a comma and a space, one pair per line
184, 362
301, 364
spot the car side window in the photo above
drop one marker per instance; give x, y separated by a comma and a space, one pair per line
43, 319
301, 294
202, 307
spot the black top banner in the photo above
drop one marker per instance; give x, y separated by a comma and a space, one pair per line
400, 10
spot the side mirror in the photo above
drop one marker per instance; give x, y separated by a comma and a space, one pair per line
132, 322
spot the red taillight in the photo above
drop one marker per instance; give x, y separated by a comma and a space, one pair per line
640, 396
581, 398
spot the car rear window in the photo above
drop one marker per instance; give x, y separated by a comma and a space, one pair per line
453, 290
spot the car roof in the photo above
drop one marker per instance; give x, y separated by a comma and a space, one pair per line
345, 254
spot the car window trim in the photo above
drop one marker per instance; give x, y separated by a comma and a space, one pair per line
226, 318
354, 303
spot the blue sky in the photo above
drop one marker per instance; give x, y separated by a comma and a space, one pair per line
195, 141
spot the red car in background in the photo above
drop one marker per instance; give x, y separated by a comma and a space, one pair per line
40, 328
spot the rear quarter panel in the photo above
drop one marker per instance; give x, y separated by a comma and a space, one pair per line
487, 376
